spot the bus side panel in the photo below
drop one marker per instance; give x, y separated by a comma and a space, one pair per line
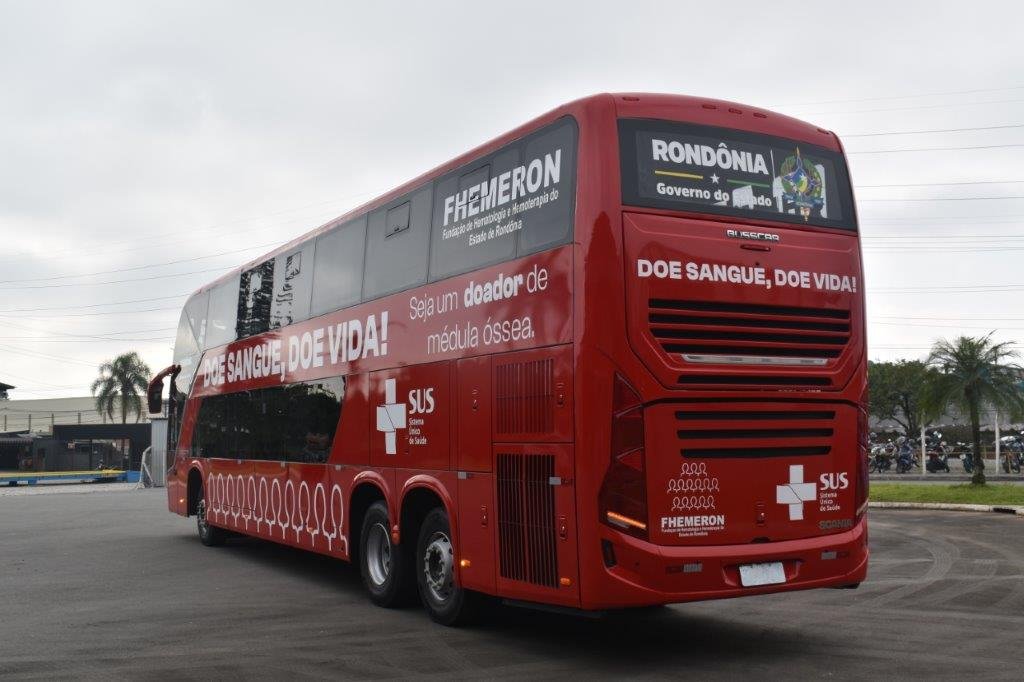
476, 532
351, 442
535, 517
271, 480
473, 414
410, 417
311, 517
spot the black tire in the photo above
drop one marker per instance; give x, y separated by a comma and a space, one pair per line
382, 563
447, 602
211, 536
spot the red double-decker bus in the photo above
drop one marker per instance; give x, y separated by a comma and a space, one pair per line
613, 358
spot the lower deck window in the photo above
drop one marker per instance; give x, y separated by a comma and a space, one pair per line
294, 423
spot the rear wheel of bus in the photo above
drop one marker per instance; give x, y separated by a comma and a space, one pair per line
444, 599
382, 563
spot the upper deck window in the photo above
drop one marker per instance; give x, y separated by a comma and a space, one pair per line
687, 167
515, 201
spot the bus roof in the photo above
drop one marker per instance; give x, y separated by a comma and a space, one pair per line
701, 110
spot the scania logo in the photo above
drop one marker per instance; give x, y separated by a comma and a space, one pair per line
756, 236
835, 523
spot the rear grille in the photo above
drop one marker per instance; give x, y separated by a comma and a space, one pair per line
713, 332
708, 432
526, 519
524, 397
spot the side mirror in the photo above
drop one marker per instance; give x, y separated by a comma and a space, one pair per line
154, 393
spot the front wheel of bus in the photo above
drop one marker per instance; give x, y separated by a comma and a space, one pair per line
443, 598
382, 564
211, 536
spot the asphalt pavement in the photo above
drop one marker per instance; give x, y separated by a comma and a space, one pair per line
110, 585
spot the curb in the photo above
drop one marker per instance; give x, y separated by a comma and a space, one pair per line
942, 506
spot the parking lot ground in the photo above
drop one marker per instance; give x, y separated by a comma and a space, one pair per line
102, 586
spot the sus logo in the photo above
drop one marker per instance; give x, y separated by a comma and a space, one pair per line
390, 417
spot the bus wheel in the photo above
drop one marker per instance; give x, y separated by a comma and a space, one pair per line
382, 562
211, 536
443, 598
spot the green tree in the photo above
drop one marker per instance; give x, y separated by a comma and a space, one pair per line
121, 384
896, 390
971, 374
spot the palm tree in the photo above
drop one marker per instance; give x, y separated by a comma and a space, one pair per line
122, 382
973, 373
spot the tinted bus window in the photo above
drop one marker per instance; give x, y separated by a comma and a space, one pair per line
453, 253
397, 239
338, 267
686, 167
255, 291
220, 326
294, 423
516, 201
550, 158
191, 336
275, 293
293, 284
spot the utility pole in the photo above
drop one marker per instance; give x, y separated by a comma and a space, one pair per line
924, 453
995, 469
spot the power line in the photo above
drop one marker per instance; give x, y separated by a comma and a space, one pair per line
7, 373
107, 312
948, 326
945, 319
86, 340
887, 97
939, 130
44, 356
211, 229
944, 184
144, 267
914, 108
971, 237
936, 149
120, 281
1016, 196
102, 336
93, 305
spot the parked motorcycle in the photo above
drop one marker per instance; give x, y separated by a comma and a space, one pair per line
966, 457
881, 458
938, 459
905, 460
1014, 455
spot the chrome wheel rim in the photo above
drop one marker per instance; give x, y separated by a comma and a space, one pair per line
204, 527
438, 567
378, 554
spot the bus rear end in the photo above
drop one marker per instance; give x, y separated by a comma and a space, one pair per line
735, 462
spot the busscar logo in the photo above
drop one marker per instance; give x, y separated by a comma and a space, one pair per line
755, 236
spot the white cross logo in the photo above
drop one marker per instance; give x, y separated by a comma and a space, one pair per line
390, 417
796, 492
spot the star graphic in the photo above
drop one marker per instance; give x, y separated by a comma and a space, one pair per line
714, 178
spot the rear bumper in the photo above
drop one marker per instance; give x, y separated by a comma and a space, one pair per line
646, 574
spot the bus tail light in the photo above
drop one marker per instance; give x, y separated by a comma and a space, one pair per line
863, 452
623, 498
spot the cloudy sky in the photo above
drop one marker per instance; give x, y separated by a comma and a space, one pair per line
146, 147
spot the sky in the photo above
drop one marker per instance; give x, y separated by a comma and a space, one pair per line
147, 147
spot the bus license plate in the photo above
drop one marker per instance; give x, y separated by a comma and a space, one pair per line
752, 575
